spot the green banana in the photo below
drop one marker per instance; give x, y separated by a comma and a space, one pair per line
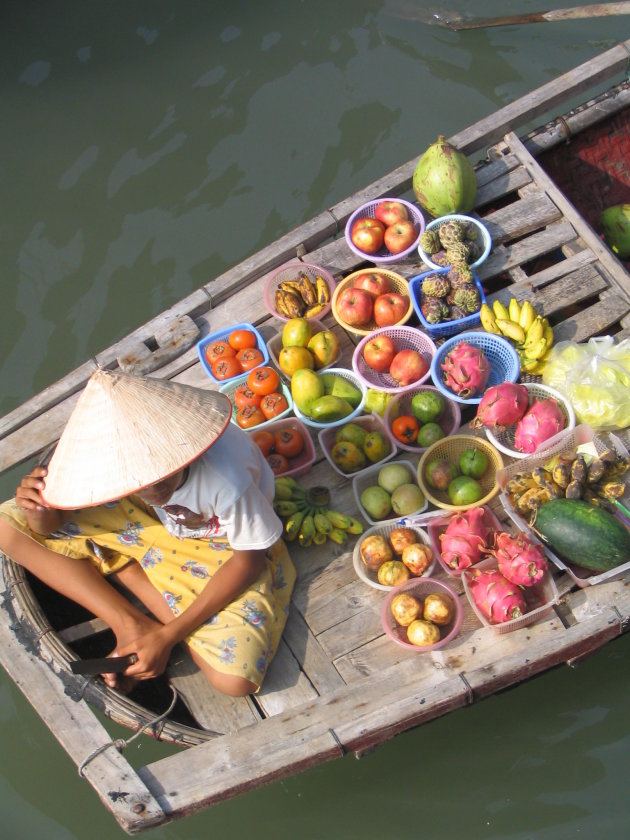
337, 536
323, 525
307, 528
292, 525
285, 507
356, 527
283, 492
304, 541
319, 538
339, 520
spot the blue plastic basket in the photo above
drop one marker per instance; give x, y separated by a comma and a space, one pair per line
484, 233
222, 335
445, 328
504, 363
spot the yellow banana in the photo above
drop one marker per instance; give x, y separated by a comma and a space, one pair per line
527, 316
488, 320
500, 311
339, 520
323, 292
535, 332
307, 528
356, 527
338, 536
510, 329
292, 525
536, 350
514, 310
528, 365
314, 310
547, 332
538, 368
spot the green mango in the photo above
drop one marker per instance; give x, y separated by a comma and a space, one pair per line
615, 225
338, 386
329, 408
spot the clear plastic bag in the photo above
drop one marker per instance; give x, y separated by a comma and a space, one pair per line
595, 377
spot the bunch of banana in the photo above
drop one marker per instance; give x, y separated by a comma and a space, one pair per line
531, 334
572, 476
307, 517
302, 298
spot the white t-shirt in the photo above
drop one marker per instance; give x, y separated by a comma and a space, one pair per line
229, 493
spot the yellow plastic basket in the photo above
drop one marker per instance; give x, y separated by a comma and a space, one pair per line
397, 284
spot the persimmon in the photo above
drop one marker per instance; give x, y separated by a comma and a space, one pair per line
239, 339
288, 442
249, 357
249, 416
273, 404
405, 429
264, 440
218, 350
244, 395
226, 368
263, 380
278, 463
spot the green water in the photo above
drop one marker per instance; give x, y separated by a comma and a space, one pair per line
146, 148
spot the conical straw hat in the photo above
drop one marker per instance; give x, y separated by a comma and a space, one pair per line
127, 432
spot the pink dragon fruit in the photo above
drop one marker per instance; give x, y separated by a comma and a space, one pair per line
520, 560
497, 598
502, 405
466, 370
543, 420
466, 534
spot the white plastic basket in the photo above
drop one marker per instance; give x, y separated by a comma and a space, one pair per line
384, 529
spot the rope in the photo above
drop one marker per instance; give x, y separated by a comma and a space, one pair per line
121, 743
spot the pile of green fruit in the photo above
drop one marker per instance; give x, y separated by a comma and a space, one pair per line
416, 421
307, 517
460, 480
356, 447
324, 397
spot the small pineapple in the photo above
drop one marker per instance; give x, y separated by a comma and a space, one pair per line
440, 258
460, 275
451, 232
435, 310
430, 241
458, 312
436, 285
468, 298
471, 231
459, 252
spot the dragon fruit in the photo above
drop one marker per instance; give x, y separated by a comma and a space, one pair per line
543, 420
494, 595
502, 405
520, 560
466, 370
466, 535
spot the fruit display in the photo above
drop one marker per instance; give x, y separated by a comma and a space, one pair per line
466, 370
286, 445
465, 538
388, 224
307, 516
355, 446
573, 476
301, 345
388, 491
444, 180
448, 295
325, 397
529, 332
302, 297
422, 614
396, 556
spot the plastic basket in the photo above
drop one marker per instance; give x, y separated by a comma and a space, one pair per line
436, 527
400, 404
383, 255
404, 338
539, 598
289, 271
564, 443
450, 449
351, 377
445, 328
229, 389
420, 588
384, 529
503, 359
274, 346
300, 464
368, 478
504, 439
369, 422
483, 236
222, 335
397, 284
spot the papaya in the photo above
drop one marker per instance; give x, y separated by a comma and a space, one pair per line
615, 225
583, 534
329, 408
338, 386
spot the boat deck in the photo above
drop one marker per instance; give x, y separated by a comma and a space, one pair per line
338, 684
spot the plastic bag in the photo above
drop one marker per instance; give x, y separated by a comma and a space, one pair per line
595, 377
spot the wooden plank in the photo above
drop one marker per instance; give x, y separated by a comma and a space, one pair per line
168, 344
80, 734
322, 675
521, 217
595, 320
286, 685
560, 269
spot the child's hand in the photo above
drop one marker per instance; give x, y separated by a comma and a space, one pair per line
28, 493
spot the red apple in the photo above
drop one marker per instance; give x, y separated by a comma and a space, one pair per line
408, 366
389, 212
399, 236
379, 353
367, 234
390, 308
355, 306
374, 283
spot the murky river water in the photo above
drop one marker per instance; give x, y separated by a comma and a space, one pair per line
149, 146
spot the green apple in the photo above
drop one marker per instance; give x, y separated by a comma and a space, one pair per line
473, 462
392, 476
464, 490
406, 499
427, 406
376, 501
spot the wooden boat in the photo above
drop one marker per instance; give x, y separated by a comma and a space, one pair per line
338, 684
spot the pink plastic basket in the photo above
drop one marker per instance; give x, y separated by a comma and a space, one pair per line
420, 588
383, 255
404, 338
436, 527
400, 404
302, 463
290, 272
540, 598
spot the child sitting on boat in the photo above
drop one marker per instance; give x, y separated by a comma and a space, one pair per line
151, 483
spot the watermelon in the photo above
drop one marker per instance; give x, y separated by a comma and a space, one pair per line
584, 534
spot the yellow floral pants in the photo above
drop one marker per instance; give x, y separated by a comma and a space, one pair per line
241, 639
